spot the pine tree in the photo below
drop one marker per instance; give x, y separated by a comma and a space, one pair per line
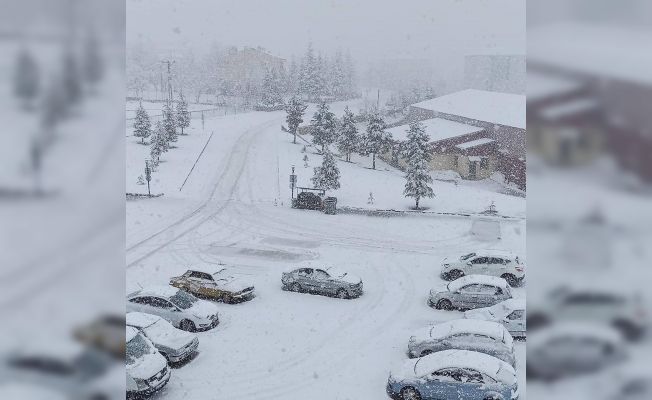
292, 84
375, 140
327, 176
183, 115
309, 78
417, 156
350, 78
348, 139
272, 89
338, 77
295, 109
142, 124
169, 124
71, 78
26, 78
324, 128
158, 143
93, 65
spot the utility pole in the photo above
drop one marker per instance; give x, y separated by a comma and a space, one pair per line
148, 176
169, 64
293, 181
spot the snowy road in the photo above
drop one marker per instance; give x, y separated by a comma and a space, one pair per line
285, 345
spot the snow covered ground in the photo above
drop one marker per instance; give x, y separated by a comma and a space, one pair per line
235, 209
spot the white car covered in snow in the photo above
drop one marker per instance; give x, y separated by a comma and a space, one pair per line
470, 291
571, 349
510, 313
501, 263
147, 369
482, 336
173, 344
177, 306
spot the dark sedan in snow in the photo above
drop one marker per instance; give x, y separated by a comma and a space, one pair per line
327, 281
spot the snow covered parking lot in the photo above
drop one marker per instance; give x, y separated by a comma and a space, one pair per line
285, 345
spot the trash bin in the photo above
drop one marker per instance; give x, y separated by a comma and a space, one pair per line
330, 205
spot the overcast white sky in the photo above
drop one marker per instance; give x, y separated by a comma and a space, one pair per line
371, 29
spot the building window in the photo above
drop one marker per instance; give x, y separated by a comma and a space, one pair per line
484, 163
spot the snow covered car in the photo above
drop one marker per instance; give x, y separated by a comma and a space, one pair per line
470, 291
214, 283
482, 336
173, 344
147, 369
64, 367
592, 303
571, 349
180, 308
510, 313
453, 374
105, 333
328, 281
499, 263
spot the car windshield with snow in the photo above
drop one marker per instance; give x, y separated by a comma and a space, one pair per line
471, 291
174, 344
482, 336
214, 283
453, 374
147, 369
510, 313
180, 308
327, 281
504, 264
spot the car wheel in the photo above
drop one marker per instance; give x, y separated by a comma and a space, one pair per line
444, 304
426, 352
410, 393
628, 329
511, 279
455, 274
187, 325
342, 294
295, 287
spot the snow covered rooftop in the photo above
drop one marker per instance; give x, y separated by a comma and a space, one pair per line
474, 143
484, 363
595, 49
541, 86
495, 107
436, 128
571, 107
479, 327
480, 279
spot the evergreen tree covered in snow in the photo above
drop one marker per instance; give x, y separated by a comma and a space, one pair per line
309, 78
71, 78
142, 124
324, 128
26, 77
292, 84
349, 76
375, 139
93, 65
158, 143
183, 115
169, 124
272, 89
338, 78
417, 157
348, 139
295, 109
327, 176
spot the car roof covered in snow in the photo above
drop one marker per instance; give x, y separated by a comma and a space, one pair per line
496, 253
495, 107
157, 290
516, 303
495, 368
131, 333
141, 320
457, 326
575, 329
476, 279
208, 268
